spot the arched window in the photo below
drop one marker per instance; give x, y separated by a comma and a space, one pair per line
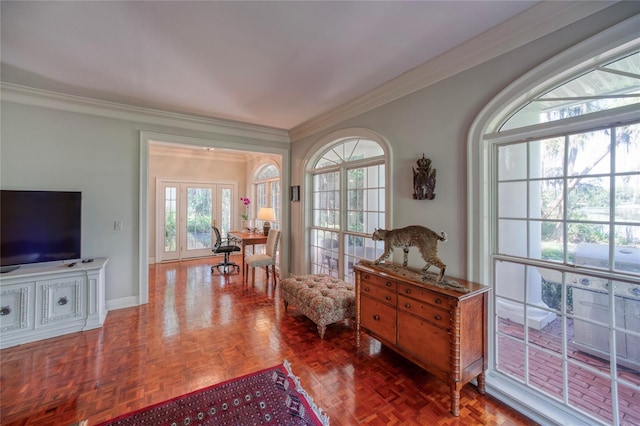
348, 191
563, 235
267, 190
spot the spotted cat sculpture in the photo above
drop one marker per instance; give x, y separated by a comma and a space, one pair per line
421, 237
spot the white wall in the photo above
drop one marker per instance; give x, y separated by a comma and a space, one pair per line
51, 148
435, 121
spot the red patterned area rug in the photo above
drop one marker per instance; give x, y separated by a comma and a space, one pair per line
268, 397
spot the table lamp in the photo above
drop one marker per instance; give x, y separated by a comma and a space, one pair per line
266, 214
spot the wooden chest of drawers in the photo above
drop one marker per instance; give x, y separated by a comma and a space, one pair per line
442, 330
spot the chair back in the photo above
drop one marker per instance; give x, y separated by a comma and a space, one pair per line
218, 238
272, 243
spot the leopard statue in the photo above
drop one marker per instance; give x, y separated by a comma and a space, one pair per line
421, 237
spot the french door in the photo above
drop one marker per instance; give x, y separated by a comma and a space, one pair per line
187, 211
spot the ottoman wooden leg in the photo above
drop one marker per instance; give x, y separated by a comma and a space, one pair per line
321, 330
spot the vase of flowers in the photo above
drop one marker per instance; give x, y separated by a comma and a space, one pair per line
245, 216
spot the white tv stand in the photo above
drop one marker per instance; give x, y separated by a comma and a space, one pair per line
42, 301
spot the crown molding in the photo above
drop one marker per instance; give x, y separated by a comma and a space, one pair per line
196, 153
47, 99
532, 24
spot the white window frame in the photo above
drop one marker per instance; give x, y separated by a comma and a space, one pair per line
483, 135
316, 151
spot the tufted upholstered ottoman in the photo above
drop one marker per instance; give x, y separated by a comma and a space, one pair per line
321, 298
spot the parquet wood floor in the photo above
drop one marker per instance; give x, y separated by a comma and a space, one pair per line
200, 329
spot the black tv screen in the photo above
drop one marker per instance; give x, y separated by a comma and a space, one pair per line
39, 226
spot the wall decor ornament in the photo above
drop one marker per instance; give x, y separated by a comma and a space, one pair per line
295, 193
424, 180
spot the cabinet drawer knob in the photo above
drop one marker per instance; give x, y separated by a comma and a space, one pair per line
5, 310
366, 276
376, 317
407, 305
63, 301
387, 297
408, 291
438, 317
438, 301
366, 289
388, 284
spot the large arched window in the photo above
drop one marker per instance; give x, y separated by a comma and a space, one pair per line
347, 181
562, 236
267, 189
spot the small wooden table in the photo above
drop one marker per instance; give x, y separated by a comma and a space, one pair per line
246, 238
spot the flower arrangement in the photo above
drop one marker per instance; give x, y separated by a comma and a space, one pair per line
246, 202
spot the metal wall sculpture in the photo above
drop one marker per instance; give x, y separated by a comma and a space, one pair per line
424, 180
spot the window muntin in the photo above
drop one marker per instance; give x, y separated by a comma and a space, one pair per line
347, 204
609, 86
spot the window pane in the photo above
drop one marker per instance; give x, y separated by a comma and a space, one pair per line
627, 200
546, 199
509, 281
589, 153
512, 237
626, 256
170, 216
510, 161
366, 149
546, 158
628, 148
545, 371
324, 252
551, 238
199, 218
225, 202
326, 200
512, 199
589, 199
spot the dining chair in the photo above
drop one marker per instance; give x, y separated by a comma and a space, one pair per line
267, 259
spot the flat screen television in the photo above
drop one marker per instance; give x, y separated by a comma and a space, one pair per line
39, 226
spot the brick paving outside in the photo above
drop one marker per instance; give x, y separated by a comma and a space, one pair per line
588, 392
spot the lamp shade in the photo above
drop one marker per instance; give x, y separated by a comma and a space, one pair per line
266, 214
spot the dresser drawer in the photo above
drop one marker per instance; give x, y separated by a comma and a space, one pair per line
378, 318
380, 281
424, 340
383, 294
426, 296
431, 313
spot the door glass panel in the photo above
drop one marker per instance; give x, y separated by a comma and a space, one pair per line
198, 218
170, 217
225, 214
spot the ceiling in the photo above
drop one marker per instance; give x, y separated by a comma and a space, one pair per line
268, 63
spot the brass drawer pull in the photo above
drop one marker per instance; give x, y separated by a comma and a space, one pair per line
438, 317
388, 297
407, 305
438, 301
408, 291
366, 289
376, 317
366, 276
388, 284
